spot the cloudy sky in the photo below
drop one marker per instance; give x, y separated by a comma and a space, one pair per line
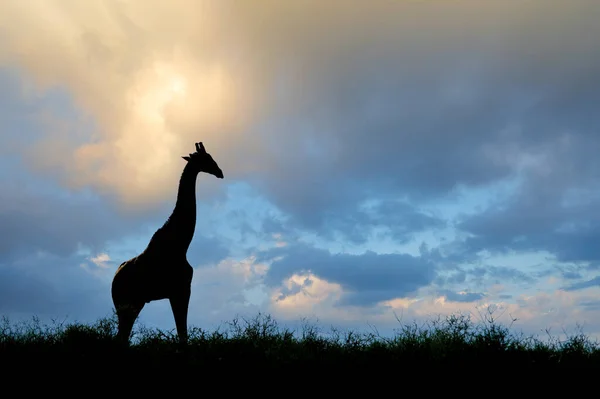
382, 159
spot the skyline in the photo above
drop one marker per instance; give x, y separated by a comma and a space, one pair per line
405, 158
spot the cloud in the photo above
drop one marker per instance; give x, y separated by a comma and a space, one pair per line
31, 221
269, 86
391, 218
101, 260
16, 297
552, 209
51, 286
109, 59
305, 294
462, 296
584, 284
557, 311
367, 278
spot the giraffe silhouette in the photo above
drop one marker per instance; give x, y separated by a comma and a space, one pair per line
162, 271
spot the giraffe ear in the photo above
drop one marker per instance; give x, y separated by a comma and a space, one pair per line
186, 158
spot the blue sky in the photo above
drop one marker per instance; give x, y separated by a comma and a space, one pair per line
414, 158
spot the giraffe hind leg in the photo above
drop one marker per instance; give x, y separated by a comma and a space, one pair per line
179, 306
127, 314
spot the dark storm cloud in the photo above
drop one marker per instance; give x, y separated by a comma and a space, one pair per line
570, 275
30, 222
62, 224
40, 268
556, 208
584, 284
498, 274
462, 296
418, 117
367, 278
455, 277
54, 286
480, 276
27, 293
402, 221
206, 250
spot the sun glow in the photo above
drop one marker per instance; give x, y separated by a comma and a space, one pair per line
158, 88
177, 86
169, 102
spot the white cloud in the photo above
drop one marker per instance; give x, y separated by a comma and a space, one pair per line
102, 260
309, 293
556, 310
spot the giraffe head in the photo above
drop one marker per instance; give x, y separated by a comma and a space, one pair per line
201, 161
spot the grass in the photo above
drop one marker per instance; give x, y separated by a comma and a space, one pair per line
242, 345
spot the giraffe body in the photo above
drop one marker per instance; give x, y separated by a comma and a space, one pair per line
162, 270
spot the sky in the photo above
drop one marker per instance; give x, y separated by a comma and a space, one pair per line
383, 160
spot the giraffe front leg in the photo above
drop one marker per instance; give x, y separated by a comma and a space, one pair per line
179, 304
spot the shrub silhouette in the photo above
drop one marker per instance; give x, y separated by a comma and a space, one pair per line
260, 343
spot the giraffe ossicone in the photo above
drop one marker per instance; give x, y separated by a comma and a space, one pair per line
162, 270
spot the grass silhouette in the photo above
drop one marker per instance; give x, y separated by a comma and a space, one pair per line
453, 341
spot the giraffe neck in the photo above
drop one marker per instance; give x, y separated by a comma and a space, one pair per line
185, 206
176, 234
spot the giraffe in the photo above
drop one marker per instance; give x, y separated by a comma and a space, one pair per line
162, 271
